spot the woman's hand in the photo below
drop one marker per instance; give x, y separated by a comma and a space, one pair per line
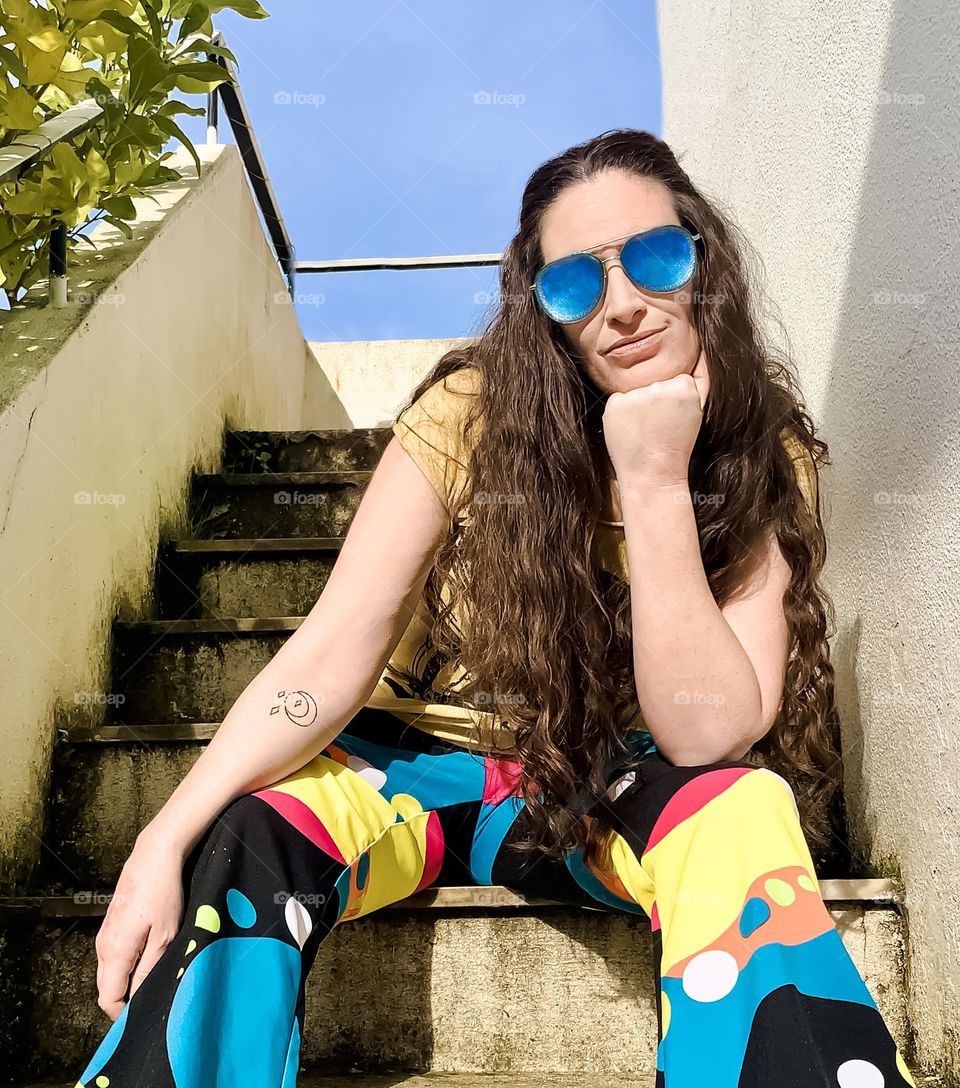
650, 431
141, 920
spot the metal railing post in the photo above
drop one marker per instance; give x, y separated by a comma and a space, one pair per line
57, 283
213, 118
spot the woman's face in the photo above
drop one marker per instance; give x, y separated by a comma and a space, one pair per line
587, 216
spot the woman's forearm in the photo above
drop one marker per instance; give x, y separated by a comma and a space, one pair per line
696, 685
296, 705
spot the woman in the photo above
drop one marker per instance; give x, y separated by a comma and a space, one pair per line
608, 502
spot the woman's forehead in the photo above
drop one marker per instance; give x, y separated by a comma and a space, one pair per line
596, 215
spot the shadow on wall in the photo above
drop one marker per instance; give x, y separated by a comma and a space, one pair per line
890, 413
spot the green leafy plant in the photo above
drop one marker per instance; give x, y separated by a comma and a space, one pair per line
130, 56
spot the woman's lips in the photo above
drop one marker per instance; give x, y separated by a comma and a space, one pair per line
638, 350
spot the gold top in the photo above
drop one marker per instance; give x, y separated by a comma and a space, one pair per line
430, 431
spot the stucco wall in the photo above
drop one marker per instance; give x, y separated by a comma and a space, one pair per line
105, 408
830, 131
366, 381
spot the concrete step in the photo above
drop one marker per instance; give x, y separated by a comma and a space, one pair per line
248, 576
189, 670
273, 504
453, 980
109, 781
465, 1080
329, 450
460, 1080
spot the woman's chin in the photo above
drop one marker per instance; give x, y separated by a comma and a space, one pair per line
623, 379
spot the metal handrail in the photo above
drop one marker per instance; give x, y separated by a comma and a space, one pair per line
368, 264
231, 96
239, 117
27, 150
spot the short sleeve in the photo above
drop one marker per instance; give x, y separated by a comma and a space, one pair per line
803, 467
431, 431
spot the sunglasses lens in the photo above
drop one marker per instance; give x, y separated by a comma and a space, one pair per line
570, 288
660, 260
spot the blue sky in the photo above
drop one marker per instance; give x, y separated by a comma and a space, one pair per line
375, 145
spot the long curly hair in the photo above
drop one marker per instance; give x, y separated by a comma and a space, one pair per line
548, 647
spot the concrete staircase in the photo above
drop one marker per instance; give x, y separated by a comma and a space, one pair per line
466, 985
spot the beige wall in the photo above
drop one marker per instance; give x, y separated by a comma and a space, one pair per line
830, 131
366, 381
105, 408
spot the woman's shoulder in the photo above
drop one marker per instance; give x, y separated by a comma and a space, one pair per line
431, 430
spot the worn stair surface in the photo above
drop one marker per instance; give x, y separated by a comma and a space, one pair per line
467, 1080
463, 981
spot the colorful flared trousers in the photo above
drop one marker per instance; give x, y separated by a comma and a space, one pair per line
756, 987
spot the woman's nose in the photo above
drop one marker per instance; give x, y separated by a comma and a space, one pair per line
623, 298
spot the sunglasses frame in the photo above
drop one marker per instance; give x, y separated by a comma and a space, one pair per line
603, 261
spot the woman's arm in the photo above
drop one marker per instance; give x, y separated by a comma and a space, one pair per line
333, 660
709, 681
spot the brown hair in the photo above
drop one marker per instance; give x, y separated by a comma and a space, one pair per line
549, 637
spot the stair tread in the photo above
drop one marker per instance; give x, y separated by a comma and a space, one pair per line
882, 890
258, 479
478, 1080
193, 545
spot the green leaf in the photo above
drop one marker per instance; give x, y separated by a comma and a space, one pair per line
171, 128
42, 65
123, 23
120, 206
125, 228
19, 110
98, 172
102, 38
207, 71
10, 61
173, 107
150, 11
85, 10
146, 69
70, 168
195, 18
249, 9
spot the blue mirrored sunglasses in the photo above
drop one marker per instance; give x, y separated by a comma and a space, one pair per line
662, 259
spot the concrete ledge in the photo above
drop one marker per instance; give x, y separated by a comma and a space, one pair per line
452, 987
879, 892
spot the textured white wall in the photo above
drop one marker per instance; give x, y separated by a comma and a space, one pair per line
830, 131
106, 406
